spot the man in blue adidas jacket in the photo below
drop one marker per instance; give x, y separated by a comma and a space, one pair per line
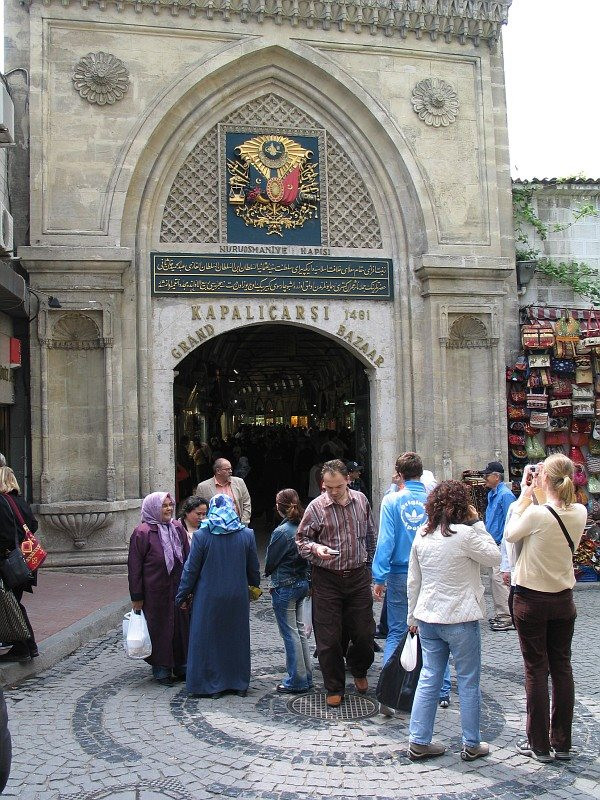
402, 513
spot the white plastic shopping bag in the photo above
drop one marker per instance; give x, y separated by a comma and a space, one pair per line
408, 657
137, 643
307, 616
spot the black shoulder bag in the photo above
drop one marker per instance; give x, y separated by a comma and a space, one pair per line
13, 569
562, 527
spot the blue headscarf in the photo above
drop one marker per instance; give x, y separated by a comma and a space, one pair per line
221, 517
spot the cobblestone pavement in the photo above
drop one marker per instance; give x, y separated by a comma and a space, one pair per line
96, 726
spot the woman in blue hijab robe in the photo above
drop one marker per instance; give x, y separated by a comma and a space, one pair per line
222, 564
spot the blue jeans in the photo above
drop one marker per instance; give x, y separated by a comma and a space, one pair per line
463, 640
397, 611
288, 608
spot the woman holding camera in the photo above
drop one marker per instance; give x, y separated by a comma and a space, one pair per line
543, 607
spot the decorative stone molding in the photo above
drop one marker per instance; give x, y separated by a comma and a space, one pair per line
78, 527
75, 331
435, 102
460, 20
468, 331
101, 78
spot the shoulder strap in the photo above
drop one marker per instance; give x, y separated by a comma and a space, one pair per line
5, 498
562, 527
16, 510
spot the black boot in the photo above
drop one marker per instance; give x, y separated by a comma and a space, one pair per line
18, 652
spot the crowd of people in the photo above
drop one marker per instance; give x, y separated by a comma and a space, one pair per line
194, 578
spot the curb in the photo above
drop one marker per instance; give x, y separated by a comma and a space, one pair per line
63, 643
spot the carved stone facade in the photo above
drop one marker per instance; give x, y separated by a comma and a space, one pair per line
112, 184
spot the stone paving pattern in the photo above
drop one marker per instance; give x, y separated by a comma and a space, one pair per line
96, 726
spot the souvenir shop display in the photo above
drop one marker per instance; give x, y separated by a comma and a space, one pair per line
553, 406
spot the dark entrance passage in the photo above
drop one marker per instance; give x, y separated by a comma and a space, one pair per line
275, 400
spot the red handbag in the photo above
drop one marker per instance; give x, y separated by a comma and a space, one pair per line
33, 552
579, 476
561, 387
576, 456
537, 335
555, 438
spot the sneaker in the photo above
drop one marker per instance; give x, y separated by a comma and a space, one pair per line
526, 749
471, 753
562, 755
386, 710
444, 702
418, 751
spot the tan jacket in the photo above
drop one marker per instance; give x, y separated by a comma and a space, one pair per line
241, 495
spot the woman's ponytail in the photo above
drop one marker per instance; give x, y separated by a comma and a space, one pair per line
559, 471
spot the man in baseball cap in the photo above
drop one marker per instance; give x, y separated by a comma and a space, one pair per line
499, 499
354, 470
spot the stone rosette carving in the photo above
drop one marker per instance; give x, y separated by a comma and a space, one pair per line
435, 102
79, 526
101, 78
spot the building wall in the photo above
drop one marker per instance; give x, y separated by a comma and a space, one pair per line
101, 179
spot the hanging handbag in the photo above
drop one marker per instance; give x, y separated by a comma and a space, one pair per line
576, 456
534, 449
583, 408
594, 484
558, 424
13, 569
519, 453
583, 370
567, 331
517, 426
562, 366
579, 476
561, 387
518, 396
516, 439
539, 360
556, 449
590, 335
537, 335
537, 420
561, 407
594, 447
593, 465
597, 407
516, 412
556, 438
596, 430
582, 392
33, 552
13, 628
537, 400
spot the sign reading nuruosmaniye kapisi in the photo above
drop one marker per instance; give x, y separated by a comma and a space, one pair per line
275, 276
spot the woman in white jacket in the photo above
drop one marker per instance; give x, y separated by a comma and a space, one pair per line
445, 601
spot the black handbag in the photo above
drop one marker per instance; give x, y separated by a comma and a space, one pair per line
13, 569
396, 687
13, 628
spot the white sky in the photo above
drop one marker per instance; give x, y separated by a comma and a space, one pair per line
550, 54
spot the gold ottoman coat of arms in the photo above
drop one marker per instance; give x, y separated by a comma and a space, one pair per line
273, 183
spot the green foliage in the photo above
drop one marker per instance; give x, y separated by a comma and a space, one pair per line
584, 280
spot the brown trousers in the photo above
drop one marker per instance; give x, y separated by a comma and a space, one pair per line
343, 602
545, 624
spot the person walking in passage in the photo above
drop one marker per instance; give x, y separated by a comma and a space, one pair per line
500, 498
445, 602
289, 574
158, 549
543, 606
337, 535
224, 483
223, 563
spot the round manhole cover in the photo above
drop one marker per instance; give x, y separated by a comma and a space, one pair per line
353, 706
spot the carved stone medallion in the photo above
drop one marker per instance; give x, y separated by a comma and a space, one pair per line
435, 101
101, 78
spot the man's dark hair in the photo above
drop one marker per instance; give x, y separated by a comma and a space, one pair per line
410, 466
334, 466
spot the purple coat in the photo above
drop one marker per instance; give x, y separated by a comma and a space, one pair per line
149, 581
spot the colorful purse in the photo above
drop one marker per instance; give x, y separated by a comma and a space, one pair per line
537, 420
561, 387
584, 408
584, 392
516, 439
519, 453
563, 366
567, 331
518, 396
537, 401
579, 476
539, 360
32, 551
516, 412
594, 447
593, 465
561, 407
555, 438
583, 370
590, 336
537, 335
534, 449
594, 484
576, 456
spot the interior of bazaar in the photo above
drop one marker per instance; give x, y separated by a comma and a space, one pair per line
274, 400
553, 406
